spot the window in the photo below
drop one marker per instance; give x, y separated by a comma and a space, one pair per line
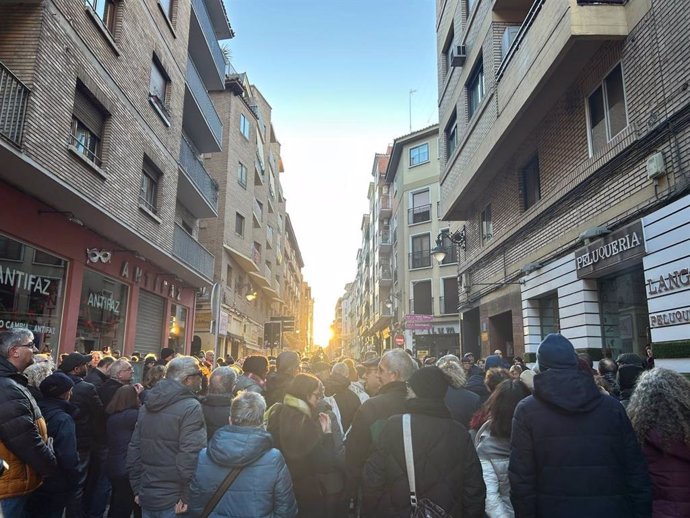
548, 315
448, 50
228, 276
166, 7
475, 89
244, 126
148, 195
421, 207
486, 226
450, 300
239, 224
606, 110
242, 175
105, 9
420, 257
451, 134
531, 189
419, 155
87, 126
421, 303
449, 247
158, 87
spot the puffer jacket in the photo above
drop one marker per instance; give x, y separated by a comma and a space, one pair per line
216, 412
90, 413
23, 436
263, 489
447, 470
166, 442
574, 453
669, 467
494, 454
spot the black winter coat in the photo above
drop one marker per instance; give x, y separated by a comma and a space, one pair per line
447, 469
96, 377
119, 429
348, 402
669, 467
216, 412
90, 412
462, 404
574, 453
107, 390
276, 385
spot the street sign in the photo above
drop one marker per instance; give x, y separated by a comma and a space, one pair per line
399, 340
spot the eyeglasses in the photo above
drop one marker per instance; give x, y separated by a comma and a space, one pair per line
30, 344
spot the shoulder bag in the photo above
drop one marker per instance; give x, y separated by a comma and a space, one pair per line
224, 486
423, 508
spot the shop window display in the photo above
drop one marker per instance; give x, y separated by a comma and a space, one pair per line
32, 284
102, 312
178, 328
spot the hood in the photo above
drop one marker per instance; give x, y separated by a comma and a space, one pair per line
238, 446
674, 448
7, 370
335, 383
244, 382
165, 393
476, 384
570, 390
556, 352
51, 406
491, 447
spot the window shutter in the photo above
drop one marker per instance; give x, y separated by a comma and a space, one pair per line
88, 113
150, 316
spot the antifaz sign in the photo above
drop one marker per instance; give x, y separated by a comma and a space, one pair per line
617, 249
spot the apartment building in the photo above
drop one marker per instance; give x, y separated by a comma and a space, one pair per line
258, 261
104, 112
564, 151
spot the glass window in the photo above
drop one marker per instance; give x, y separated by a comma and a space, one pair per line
148, 193
178, 327
486, 225
421, 303
239, 224
448, 49
86, 142
158, 84
166, 6
420, 257
31, 292
105, 9
451, 136
242, 175
531, 187
419, 155
606, 110
102, 312
421, 207
549, 319
244, 125
475, 89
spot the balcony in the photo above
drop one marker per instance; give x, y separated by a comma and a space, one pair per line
449, 305
200, 119
420, 214
203, 44
385, 275
554, 42
385, 242
422, 306
189, 251
258, 214
421, 259
385, 205
14, 96
197, 191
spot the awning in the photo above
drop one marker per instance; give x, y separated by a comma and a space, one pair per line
245, 262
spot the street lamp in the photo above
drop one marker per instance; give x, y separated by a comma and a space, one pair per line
457, 237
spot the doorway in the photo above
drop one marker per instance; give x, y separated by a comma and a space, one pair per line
501, 333
471, 336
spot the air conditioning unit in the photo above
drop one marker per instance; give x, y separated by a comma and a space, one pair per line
509, 35
459, 56
656, 166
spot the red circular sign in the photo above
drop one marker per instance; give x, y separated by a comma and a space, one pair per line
399, 340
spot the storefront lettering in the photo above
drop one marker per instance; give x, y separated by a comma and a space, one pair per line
19, 279
100, 301
669, 282
608, 250
10, 324
670, 318
162, 286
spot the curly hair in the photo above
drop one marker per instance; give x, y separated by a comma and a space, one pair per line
42, 367
661, 402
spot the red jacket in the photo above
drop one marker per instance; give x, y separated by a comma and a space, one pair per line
670, 471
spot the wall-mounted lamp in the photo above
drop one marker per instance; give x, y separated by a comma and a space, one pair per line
458, 238
592, 233
68, 214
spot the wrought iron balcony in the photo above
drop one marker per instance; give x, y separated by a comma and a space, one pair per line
448, 305
422, 306
419, 214
14, 96
189, 251
420, 259
196, 181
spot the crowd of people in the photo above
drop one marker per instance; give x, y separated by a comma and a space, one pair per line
302, 437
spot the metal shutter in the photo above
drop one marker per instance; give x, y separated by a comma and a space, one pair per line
88, 113
149, 323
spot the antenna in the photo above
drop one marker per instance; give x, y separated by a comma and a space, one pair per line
410, 98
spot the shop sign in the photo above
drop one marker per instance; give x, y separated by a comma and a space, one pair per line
160, 286
35, 328
670, 318
671, 281
418, 318
24, 281
104, 301
623, 245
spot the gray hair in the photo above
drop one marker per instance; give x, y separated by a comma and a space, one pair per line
181, 368
9, 339
247, 409
118, 366
222, 381
400, 362
452, 368
38, 371
341, 369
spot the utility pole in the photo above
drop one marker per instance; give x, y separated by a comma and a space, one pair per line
410, 99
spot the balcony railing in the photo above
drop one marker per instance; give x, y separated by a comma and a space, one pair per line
385, 236
209, 35
197, 173
385, 272
422, 306
448, 305
451, 255
385, 202
14, 96
203, 100
190, 252
420, 259
419, 214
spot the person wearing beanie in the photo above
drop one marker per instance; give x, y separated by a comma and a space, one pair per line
287, 367
49, 500
447, 469
573, 449
253, 377
167, 354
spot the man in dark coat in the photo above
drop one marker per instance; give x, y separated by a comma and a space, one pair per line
216, 404
101, 373
253, 378
88, 419
167, 440
337, 384
23, 429
287, 367
121, 373
573, 449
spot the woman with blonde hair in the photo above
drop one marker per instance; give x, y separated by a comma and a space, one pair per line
659, 411
461, 402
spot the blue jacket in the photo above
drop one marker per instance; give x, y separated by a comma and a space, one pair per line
263, 488
574, 453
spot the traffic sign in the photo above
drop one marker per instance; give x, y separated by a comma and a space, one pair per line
399, 340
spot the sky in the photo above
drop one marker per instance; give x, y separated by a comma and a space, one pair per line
338, 75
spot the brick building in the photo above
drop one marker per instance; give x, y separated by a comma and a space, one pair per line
564, 132
104, 112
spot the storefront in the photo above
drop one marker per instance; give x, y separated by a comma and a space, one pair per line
78, 291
